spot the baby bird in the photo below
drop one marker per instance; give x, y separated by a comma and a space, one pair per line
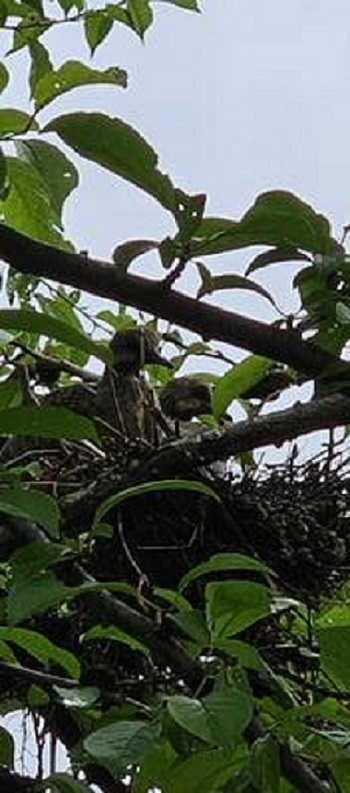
185, 398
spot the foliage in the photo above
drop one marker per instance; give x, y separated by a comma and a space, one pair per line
207, 670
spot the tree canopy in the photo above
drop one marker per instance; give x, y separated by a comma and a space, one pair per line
174, 611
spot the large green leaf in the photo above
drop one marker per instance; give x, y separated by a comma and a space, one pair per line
238, 380
33, 322
141, 15
59, 175
13, 121
116, 146
222, 562
74, 74
41, 648
152, 487
123, 742
204, 772
265, 765
333, 634
277, 218
218, 719
34, 594
97, 25
27, 206
48, 422
232, 606
38, 507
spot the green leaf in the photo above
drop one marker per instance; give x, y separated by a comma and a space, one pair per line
237, 381
33, 322
222, 562
152, 487
218, 719
333, 634
74, 74
10, 393
48, 422
213, 283
123, 742
189, 5
4, 77
27, 206
41, 648
4, 182
97, 25
40, 65
13, 121
125, 253
37, 507
188, 214
78, 696
276, 256
116, 146
7, 748
277, 218
58, 173
34, 595
204, 772
232, 606
111, 633
141, 15
265, 765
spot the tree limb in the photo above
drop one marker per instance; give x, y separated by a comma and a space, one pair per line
108, 281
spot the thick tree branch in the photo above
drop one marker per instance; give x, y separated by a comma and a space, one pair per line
275, 428
106, 280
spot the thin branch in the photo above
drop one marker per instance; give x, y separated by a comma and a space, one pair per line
104, 279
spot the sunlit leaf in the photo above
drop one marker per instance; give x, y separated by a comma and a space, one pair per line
276, 218
41, 648
97, 25
232, 606
141, 15
27, 205
74, 74
46, 422
15, 121
152, 487
58, 173
223, 562
111, 633
33, 322
237, 381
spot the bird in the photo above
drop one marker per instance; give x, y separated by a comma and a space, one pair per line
185, 398
122, 399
